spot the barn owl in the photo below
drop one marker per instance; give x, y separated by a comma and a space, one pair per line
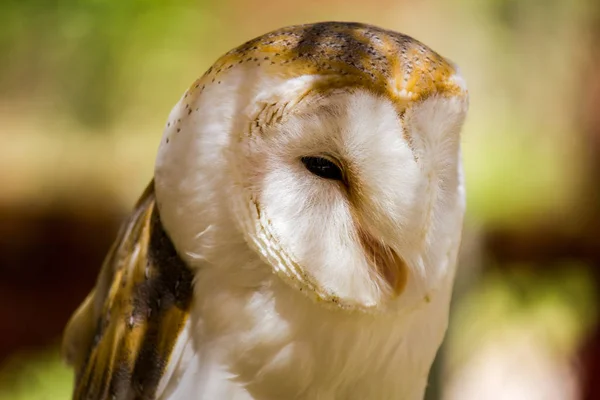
299, 237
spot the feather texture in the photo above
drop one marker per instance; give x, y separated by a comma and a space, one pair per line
120, 340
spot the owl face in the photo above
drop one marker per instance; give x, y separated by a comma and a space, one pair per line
338, 184
346, 191
347, 188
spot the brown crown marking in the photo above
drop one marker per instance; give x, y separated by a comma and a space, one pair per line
350, 54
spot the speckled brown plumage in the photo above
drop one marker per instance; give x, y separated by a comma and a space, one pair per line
124, 335
382, 60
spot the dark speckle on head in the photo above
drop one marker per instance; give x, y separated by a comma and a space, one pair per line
367, 53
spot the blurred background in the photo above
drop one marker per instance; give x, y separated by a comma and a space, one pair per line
85, 89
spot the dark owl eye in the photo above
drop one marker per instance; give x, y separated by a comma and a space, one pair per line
322, 167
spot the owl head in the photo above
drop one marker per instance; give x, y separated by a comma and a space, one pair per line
330, 153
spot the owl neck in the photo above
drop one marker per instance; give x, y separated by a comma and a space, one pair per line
257, 338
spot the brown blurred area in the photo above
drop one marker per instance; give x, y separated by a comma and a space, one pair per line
40, 288
85, 88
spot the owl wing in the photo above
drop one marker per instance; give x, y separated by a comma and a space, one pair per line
120, 340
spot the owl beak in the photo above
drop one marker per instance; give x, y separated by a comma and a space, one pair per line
386, 262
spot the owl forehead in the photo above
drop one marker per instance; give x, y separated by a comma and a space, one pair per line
349, 54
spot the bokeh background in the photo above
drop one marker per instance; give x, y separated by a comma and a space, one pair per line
85, 89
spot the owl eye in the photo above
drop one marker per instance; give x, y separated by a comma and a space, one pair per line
322, 167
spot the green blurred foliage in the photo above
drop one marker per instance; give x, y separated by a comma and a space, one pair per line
559, 307
39, 376
83, 56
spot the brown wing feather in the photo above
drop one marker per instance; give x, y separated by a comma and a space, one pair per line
120, 339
